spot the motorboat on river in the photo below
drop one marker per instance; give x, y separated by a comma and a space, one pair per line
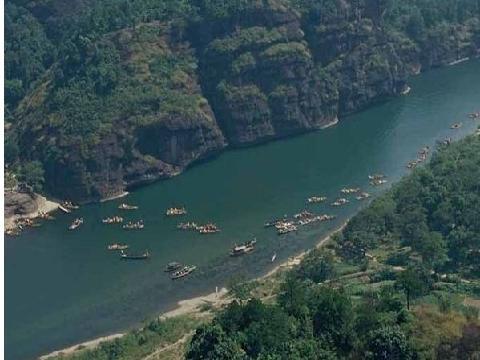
456, 126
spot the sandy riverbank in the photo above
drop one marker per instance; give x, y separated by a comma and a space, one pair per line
85, 345
193, 305
43, 205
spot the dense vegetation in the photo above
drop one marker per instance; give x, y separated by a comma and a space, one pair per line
401, 281
104, 94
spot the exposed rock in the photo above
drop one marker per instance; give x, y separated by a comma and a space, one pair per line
19, 203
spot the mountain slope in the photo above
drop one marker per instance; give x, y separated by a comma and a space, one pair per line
127, 92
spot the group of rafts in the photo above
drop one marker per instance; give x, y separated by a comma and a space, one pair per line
208, 228
286, 225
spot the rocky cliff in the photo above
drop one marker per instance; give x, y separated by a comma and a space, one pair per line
131, 105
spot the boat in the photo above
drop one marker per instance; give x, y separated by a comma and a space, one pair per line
208, 229
64, 209
185, 271
406, 90
284, 227
456, 126
376, 176
411, 165
474, 115
113, 220
69, 205
243, 249
124, 206
131, 225
274, 257
125, 256
75, 224
363, 196
274, 222
173, 266
378, 182
340, 202
117, 246
316, 199
445, 142
187, 226
350, 190
458, 61
303, 215
173, 211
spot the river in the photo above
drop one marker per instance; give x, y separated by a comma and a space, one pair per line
63, 287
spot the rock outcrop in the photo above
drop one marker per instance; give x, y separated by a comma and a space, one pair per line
142, 103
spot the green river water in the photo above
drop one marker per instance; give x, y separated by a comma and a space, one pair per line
64, 287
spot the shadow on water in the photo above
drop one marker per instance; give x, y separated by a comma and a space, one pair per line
64, 287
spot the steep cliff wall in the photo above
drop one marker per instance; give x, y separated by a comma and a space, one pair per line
138, 99
150, 123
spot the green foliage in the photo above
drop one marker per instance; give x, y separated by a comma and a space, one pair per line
388, 343
31, 173
317, 266
211, 342
414, 282
430, 211
240, 288
137, 344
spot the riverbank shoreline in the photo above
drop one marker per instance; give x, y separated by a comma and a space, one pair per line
44, 205
192, 305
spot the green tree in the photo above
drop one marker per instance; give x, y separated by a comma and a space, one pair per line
293, 295
211, 343
433, 249
414, 281
333, 318
32, 174
388, 343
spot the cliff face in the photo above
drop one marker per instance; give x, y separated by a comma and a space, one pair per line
142, 103
259, 75
127, 146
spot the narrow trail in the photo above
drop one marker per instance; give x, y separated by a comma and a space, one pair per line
179, 342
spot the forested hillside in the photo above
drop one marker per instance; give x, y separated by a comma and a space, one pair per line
102, 95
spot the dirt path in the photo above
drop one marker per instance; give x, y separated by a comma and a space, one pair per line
179, 342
